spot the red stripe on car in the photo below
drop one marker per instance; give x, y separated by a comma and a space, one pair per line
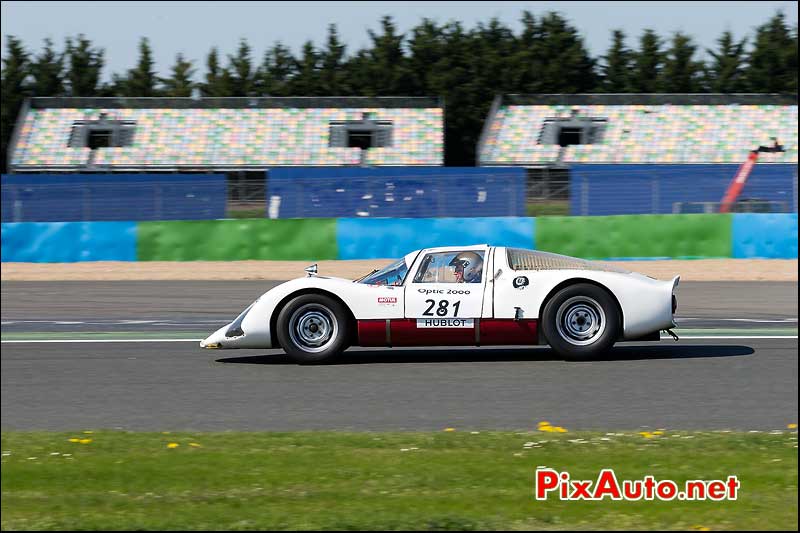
492, 332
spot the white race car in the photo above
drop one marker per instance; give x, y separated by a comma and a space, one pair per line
458, 296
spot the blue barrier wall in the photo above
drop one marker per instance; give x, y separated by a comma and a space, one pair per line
67, 242
306, 192
653, 189
360, 238
98, 197
765, 235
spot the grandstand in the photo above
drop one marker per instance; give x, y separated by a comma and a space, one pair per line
224, 134
559, 130
576, 154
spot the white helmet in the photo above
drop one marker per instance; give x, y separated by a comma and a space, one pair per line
469, 266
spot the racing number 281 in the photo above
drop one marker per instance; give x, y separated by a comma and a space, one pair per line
442, 309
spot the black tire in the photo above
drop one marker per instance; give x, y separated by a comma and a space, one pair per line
581, 322
313, 328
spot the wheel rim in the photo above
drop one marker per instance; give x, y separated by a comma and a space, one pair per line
580, 320
313, 327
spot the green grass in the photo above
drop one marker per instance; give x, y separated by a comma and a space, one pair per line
552, 208
247, 213
429, 481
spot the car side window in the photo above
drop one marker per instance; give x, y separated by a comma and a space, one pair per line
451, 267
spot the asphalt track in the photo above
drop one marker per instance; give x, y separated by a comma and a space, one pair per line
746, 384
200, 305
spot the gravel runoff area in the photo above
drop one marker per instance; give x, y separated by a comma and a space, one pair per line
690, 270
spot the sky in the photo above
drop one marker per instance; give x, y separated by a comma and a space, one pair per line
192, 28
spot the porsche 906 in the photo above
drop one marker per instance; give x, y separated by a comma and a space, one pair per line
476, 295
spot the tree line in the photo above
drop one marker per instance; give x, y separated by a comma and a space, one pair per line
467, 67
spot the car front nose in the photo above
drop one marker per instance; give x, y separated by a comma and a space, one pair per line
226, 335
214, 340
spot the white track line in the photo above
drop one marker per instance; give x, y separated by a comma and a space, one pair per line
67, 341
682, 337
42, 341
754, 320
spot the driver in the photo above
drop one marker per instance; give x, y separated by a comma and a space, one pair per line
468, 267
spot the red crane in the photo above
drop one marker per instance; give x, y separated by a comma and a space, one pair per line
740, 178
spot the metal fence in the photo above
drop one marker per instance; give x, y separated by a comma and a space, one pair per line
98, 197
396, 193
666, 189
576, 191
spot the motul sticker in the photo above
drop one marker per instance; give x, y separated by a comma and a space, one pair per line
445, 323
387, 299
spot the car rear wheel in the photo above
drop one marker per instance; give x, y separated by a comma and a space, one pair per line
581, 322
313, 328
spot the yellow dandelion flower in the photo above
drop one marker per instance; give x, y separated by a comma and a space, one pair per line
74, 440
194, 445
559, 429
173, 445
85, 441
658, 432
791, 426
548, 429
646, 434
449, 429
544, 423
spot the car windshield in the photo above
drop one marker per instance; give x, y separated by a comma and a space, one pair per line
393, 274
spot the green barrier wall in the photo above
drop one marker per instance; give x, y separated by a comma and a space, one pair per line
636, 236
612, 237
230, 240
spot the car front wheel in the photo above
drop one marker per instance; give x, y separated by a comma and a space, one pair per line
581, 322
313, 328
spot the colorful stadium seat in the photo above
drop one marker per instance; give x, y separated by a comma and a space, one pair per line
227, 137
661, 133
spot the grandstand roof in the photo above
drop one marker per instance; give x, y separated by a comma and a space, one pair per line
385, 102
648, 99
